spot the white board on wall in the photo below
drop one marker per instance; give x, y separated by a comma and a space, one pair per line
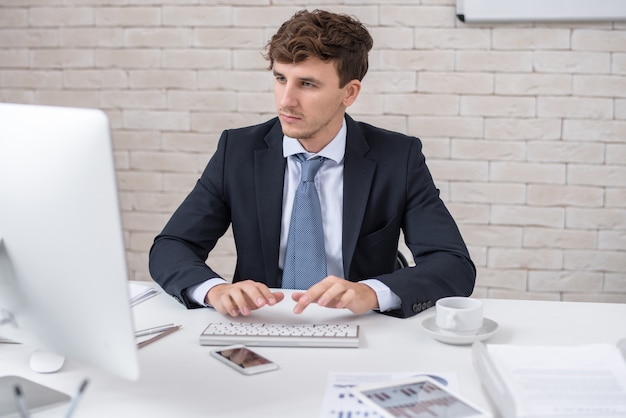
540, 10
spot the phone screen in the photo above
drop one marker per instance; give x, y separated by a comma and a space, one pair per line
243, 357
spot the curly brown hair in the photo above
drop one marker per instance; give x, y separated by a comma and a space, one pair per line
328, 36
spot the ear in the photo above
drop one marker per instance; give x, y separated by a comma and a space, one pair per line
351, 92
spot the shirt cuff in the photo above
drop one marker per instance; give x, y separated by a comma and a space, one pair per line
198, 292
387, 300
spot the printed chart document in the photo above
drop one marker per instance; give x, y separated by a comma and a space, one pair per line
553, 381
339, 402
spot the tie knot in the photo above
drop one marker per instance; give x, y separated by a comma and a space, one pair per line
309, 167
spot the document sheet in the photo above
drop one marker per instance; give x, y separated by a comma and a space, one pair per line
588, 380
340, 403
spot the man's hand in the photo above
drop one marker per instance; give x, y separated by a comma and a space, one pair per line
241, 297
335, 292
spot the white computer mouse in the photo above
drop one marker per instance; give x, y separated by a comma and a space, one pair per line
46, 362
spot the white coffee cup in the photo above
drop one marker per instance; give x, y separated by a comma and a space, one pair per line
460, 315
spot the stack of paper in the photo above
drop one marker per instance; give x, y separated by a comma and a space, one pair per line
553, 381
140, 292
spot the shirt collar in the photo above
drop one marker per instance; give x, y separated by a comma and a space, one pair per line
335, 149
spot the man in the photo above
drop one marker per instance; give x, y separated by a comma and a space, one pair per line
372, 183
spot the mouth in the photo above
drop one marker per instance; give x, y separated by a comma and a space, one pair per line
288, 118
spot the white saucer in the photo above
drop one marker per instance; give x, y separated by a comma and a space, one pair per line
487, 330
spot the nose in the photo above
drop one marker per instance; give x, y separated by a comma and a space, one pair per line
286, 95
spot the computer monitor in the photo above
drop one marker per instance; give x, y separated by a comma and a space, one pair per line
63, 272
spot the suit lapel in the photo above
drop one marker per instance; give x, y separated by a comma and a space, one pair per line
269, 169
358, 174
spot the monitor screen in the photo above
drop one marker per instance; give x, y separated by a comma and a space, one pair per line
63, 273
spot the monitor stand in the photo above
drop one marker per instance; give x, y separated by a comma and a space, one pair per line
36, 396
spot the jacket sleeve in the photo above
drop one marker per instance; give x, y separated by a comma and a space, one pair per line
443, 266
177, 259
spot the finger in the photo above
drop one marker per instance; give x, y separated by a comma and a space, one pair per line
255, 293
359, 299
311, 295
345, 299
229, 300
333, 295
278, 297
242, 297
242, 300
295, 296
226, 305
219, 298
266, 297
260, 294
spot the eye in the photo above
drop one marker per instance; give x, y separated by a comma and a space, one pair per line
280, 78
308, 84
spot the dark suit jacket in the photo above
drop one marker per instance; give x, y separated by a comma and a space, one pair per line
387, 186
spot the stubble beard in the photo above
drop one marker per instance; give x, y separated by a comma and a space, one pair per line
306, 132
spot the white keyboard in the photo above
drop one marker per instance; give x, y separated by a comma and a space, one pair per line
281, 335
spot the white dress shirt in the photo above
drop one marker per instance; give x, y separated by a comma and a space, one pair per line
329, 183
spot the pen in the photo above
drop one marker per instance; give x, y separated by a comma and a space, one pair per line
76, 398
159, 336
21, 402
155, 330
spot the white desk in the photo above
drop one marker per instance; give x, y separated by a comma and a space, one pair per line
180, 379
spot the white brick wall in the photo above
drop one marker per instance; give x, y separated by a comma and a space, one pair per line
524, 125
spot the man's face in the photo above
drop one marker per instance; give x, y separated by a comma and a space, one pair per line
310, 103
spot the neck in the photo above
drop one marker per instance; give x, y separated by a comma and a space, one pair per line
316, 144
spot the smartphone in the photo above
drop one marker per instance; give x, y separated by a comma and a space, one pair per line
243, 359
416, 397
